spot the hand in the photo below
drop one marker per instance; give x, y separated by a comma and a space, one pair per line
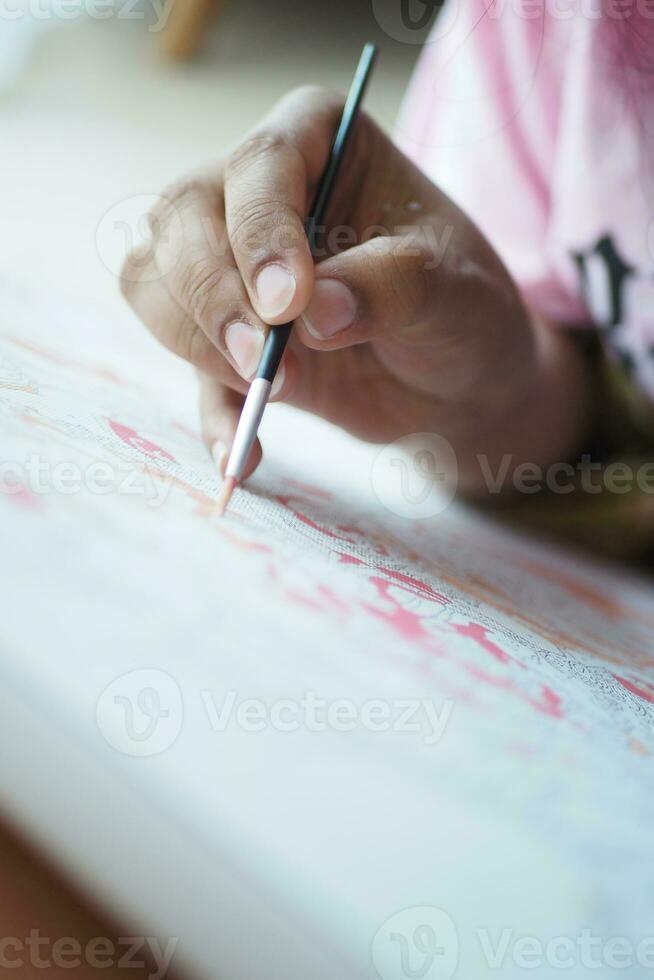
408, 323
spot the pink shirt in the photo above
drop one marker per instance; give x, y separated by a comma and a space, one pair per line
523, 119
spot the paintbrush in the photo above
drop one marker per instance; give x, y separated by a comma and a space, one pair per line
273, 351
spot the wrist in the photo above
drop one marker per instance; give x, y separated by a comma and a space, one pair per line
535, 410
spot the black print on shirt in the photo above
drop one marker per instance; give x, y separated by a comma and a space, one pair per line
607, 310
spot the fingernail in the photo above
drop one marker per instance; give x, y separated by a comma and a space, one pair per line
219, 454
245, 344
331, 310
278, 383
275, 289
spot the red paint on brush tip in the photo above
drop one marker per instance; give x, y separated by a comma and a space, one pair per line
225, 495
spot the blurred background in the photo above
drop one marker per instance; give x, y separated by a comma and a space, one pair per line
102, 102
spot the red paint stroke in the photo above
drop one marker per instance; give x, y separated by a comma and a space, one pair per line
23, 497
40, 421
346, 559
638, 747
325, 600
406, 622
342, 532
244, 544
285, 501
549, 703
415, 585
479, 634
333, 598
308, 488
206, 504
131, 438
28, 389
411, 626
641, 689
102, 372
187, 430
374, 542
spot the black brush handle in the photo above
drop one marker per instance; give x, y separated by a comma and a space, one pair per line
277, 338
273, 351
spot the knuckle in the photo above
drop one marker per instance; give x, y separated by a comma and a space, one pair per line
180, 192
188, 341
259, 144
198, 284
258, 225
312, 96
255, 211
173, 201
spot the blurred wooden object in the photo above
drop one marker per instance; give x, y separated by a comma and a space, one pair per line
36, 902
186, 24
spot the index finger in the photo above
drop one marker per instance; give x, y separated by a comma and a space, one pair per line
268, 183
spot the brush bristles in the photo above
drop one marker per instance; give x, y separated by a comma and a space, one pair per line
225, 495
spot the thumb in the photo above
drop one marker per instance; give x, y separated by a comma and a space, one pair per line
384, 287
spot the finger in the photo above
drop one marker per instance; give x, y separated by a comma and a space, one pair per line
388, 286
171, 325
220, 410
268, 181
195, 261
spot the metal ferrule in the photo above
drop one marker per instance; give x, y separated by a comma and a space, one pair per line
246, 433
